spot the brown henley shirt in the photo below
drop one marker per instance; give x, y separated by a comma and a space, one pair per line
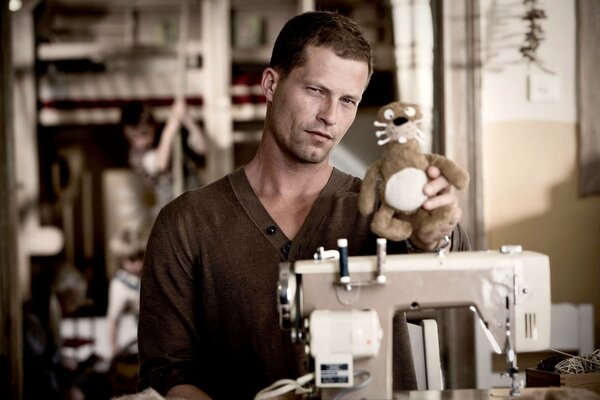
208, 314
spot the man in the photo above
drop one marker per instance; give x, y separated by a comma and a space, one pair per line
208, 319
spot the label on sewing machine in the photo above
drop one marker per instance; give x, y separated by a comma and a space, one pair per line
335, 370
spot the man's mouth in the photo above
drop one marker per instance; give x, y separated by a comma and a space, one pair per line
321, 134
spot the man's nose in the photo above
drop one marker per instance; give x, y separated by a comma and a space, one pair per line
328, 112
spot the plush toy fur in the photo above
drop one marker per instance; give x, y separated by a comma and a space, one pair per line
397, 178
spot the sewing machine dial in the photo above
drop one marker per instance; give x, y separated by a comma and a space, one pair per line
286, 294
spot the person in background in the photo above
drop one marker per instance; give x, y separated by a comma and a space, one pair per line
209, 326
128, 247
150, 150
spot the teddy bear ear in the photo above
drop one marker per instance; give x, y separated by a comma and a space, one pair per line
388, 114
410, 111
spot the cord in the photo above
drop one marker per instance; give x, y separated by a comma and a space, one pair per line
578, 364
360, 385
283, 386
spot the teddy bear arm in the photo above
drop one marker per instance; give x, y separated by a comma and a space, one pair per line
368, 190
456, 175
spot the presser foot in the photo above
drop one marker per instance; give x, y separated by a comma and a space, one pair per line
515, 384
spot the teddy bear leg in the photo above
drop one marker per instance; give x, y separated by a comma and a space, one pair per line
439, 218
385, 225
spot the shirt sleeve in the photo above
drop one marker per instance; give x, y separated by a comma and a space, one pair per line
460, 239
167, 334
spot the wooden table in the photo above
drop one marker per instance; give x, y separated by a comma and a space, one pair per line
553, 393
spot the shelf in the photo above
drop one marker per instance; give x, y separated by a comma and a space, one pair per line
107, 50
259, 55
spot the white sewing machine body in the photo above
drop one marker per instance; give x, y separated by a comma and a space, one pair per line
509, 291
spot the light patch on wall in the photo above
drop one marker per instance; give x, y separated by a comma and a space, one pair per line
543, 87
524, 161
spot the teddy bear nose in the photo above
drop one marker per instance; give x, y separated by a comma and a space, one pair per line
400, 121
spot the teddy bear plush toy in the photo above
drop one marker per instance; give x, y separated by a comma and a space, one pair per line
396, 180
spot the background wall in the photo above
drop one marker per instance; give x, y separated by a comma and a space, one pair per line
530, 151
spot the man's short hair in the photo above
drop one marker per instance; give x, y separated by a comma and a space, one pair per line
321, 29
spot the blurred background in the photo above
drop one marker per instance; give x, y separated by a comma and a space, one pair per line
90, 87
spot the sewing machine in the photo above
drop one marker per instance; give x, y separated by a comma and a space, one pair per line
342, 307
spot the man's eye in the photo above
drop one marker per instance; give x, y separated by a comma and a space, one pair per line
348, 101
316, 90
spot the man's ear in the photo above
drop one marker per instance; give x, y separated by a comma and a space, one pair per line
270, 77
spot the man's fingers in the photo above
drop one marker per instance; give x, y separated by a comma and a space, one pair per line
433, 172
436, 186
441, 200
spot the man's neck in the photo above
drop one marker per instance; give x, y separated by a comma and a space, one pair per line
287, 190
284, 177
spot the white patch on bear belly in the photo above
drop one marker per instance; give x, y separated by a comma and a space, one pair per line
404, 190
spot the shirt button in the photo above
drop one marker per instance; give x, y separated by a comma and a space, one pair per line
286, 248
271, 230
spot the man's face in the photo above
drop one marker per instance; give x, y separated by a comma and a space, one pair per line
314, 105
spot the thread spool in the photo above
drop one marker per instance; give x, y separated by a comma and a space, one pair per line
343, 249
381, 253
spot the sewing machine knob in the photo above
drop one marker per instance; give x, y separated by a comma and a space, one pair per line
300, 334
511, 249
286, 292
296, 335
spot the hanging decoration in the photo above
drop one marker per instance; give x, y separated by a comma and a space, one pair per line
534, 35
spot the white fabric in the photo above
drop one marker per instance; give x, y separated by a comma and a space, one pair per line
150, 163
404, 190
123, 294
